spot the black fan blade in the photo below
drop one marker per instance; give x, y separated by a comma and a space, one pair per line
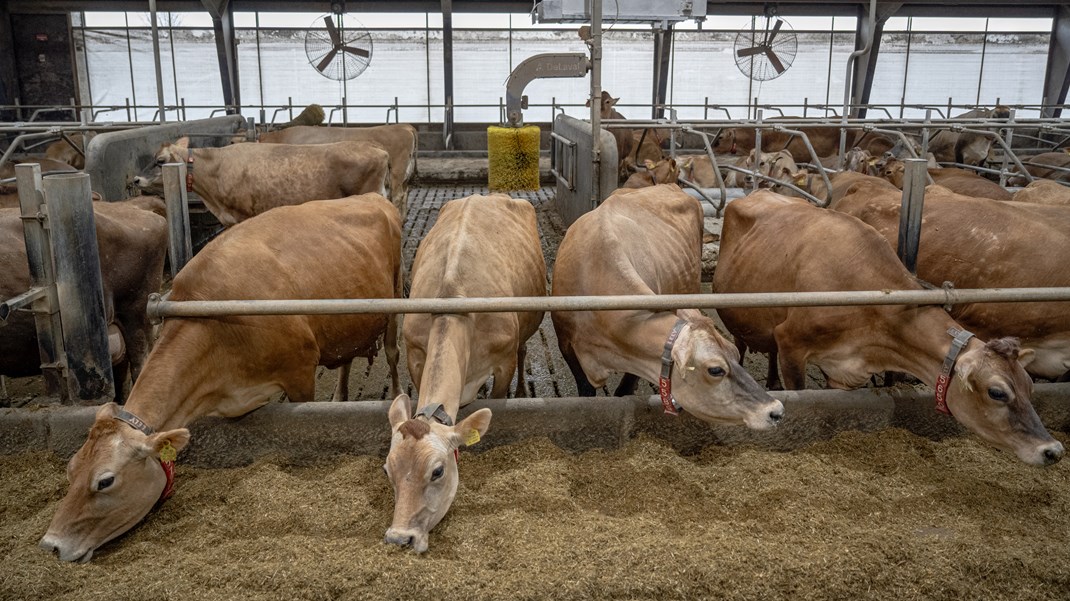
772, 34
332, 31
751, 51
327, 60
773, 60
357, 51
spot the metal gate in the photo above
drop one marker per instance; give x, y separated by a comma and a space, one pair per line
570, 163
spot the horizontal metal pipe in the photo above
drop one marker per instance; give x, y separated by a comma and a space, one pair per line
158, 308
17, 302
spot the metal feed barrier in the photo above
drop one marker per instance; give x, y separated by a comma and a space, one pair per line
570, 164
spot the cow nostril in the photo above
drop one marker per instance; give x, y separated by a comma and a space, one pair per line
409, 541
1052, 455
776, 416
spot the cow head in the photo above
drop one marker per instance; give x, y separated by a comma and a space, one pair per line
114, 480
989, 394
151, 179
725, 142
665, 171
422, 467
859, 160
892, 170
608, 102
709, 382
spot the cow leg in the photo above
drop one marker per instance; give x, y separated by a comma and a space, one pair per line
627, 385
772, 377
792, 361
1064, 378
301, 387
341, 391
503, 377
521, 373
119, 372
583, 385
390, 345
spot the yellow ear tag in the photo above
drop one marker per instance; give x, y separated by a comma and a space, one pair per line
473, 438
168, 452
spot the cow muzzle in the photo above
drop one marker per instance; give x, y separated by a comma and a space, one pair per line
768, 416
407, 537
54, 545
1044, 455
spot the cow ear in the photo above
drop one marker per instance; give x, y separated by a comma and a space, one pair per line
182, 142
588, 102
681, 353
107, 411
649, 164
177, 438
472, 428
1026, 356
399, 411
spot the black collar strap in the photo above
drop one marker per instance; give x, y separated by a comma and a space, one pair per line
665, 380
959, 339
134, 422
436, 412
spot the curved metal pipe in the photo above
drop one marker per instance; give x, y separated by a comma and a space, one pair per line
847, 83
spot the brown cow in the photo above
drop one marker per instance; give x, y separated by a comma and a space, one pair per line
1049, 165
399, 140
1044, 192
480, 246
960, 181
843, 183
649, 241
980, 243
665, 171
646, 146
242, 180
61, 151
771, 243
229, 366
625, 138
132, 243
779, 165
825, 140
966, 148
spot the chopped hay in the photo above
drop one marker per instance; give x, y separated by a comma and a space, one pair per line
862, 516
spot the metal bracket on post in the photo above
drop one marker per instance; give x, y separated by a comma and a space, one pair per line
42, 275
179, 244
910, 213
69, 202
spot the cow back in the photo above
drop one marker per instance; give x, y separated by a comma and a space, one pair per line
638, 241
342, 248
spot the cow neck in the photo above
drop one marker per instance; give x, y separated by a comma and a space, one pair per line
924, 343
445, 371
204, 162
646, 334
165, 396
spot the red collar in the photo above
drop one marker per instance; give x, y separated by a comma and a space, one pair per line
959, 339
168, 466
189, 170
665, 379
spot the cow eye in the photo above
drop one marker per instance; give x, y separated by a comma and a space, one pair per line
105, 482
435, 475
997, 394
716, 372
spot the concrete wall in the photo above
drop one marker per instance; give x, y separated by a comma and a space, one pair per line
311, 431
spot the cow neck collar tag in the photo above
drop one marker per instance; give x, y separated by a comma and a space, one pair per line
959, 339
436, 412
166, 462
189, 170
668, 403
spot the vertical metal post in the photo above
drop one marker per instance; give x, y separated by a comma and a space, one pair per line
910, 213
925, 134
1008, 136
596, 103
757, 148
39, 258
156, 59
69, 202
447, 72
179, 244
662, 53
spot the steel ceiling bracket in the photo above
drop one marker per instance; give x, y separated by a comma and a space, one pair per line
540, 66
